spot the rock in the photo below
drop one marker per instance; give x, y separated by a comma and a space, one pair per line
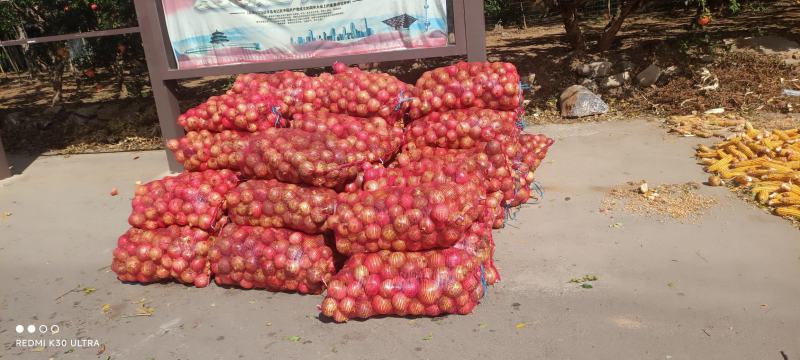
595, 69
626, 65
87, 110
578, 101
615, 80
649, 76
590, 84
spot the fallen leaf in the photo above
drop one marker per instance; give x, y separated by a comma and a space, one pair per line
520, 325
671, 284
106, 308
293, 338
428, 337
144, 310
102, 349
89, 290
69, 351
616, 225
586, 286
482, 326
135, 158
38, 349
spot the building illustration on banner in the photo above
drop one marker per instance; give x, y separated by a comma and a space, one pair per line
220, 40
218, 32
353, 34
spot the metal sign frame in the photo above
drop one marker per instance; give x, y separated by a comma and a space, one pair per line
470, 40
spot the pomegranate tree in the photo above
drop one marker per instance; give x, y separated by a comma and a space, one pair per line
273, 259
273, 204
174, 252
488, 85
402, 218
193, 199
429, 283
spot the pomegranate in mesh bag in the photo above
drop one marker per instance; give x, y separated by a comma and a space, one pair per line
174, 252
494, 85
311, 158
273, 204
462, 128
203, 150
273, 259
429, 283
429, 216
193, 199
246, 112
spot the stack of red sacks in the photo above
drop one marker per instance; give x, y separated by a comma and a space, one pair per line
173, 222
321, 177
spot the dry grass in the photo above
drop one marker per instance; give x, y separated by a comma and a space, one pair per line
679, 202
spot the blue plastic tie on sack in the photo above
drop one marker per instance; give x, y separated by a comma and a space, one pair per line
278, 116
401, 100
483, 281
535, 186
524, 86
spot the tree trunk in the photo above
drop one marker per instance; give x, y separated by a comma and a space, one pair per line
569, 14
625, 8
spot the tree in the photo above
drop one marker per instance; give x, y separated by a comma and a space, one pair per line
569, 14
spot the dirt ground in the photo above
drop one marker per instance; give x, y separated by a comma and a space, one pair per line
723, 287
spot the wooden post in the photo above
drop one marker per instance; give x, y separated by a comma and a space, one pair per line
5, 172
157, 64
475, 30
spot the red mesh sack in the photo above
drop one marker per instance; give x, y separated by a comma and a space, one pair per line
429, 283
370, 130
193, 199
350, 91
494, 85
533, 149
403, 218
273, 204
203, 150
174, 252
245, 112
316, 159
490, 157
462, 128
478, 242
273, 259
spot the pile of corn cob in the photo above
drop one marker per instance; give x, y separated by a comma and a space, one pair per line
705, 125
768, 162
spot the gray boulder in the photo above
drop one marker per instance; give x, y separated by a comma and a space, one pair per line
578, 101
595, 69
616, 80
649, 76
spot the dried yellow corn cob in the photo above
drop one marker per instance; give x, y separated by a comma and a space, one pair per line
721, 163
788, 211
735, 152
762, 196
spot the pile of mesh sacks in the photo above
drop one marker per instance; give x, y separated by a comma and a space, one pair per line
284, 173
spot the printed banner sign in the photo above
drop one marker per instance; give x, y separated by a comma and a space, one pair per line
207, 33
